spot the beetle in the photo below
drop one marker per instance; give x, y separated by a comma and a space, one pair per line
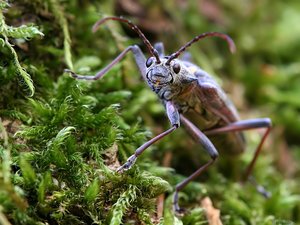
192, 97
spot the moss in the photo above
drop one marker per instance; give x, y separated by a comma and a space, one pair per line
62, 139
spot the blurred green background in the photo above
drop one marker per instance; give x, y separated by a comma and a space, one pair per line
60, 147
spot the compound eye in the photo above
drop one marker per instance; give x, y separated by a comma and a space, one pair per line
149, 61
176, 67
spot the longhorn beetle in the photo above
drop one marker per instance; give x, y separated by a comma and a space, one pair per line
192, 97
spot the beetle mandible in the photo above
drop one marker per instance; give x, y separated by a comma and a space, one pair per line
192, 97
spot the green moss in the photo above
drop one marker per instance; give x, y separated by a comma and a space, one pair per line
61, 139
22, 32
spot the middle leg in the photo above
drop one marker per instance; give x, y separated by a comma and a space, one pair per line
208, 147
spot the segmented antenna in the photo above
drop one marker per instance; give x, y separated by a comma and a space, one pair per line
201, 36
152, 50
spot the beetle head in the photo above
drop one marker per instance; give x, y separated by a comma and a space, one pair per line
166, 75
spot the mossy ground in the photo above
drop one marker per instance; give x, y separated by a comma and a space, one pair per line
62, 139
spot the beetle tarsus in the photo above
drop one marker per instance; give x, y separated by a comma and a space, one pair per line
176, 207
259, 188
126, 166
71, 73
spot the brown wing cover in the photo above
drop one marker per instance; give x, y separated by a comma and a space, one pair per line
214, 109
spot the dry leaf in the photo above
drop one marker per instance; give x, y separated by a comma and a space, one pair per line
212, 214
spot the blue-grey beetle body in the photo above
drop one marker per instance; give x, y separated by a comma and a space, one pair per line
191, 97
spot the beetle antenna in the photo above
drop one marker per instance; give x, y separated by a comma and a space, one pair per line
134, 27
201, 36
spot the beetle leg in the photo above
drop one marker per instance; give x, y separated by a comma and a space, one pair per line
138, 56
131, 160
248, 125
209, 148
173, 116
159, 46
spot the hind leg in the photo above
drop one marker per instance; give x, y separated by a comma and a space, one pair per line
248, 125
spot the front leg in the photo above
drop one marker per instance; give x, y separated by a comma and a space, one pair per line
174, 118
138, 56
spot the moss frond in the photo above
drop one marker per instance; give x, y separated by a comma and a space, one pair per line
26, 32
92, 191
20, 70
123, 203
28, 172
152, 185
57, 11
60, 137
